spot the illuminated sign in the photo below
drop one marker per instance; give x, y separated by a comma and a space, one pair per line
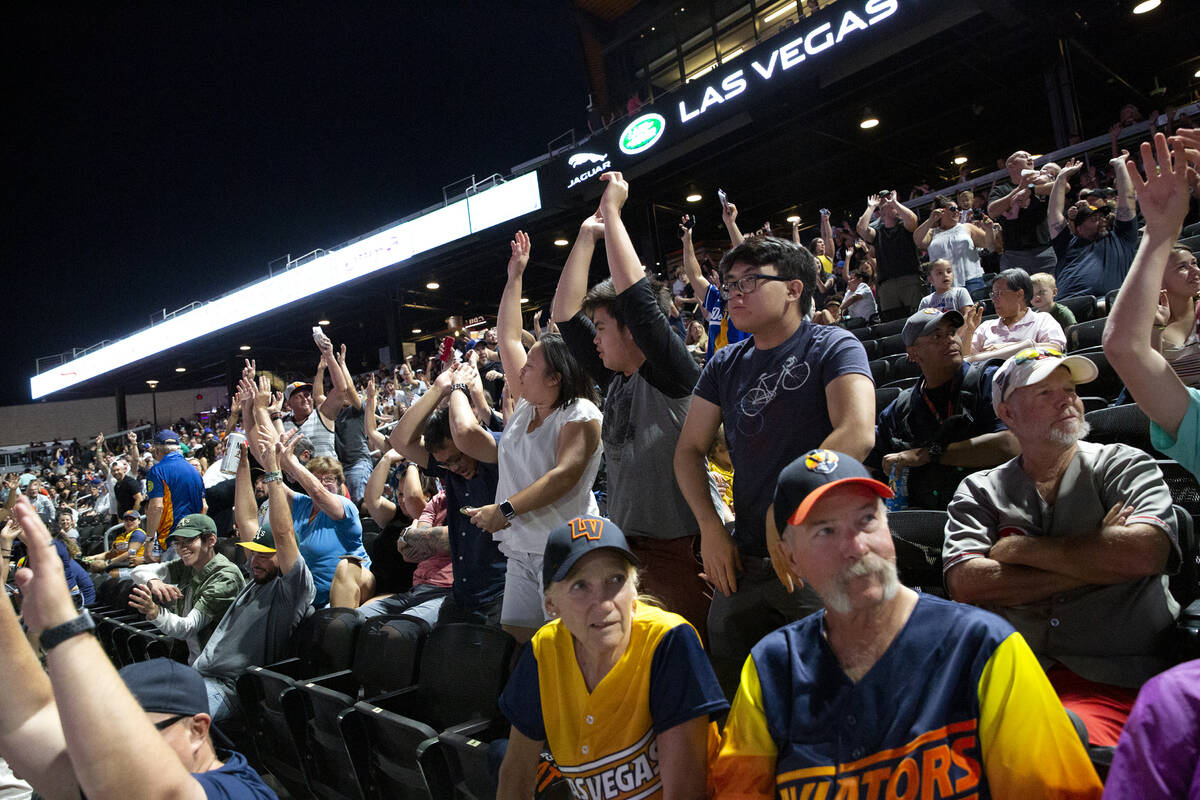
642, 133
786, 57
398, 243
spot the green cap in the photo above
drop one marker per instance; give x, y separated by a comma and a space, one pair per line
194, 525
264, 541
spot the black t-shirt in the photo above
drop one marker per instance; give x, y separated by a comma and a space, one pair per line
895, 251
350, 436
1029, 231
125, 489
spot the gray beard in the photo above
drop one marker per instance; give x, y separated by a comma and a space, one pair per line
838, 598
1070, 436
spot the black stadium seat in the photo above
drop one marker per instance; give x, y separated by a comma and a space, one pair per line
1086, 334
884, 395
918, 535
1082, 306
891, 345
880, 370
1108, 384
900, 367
1126, 424
888, 328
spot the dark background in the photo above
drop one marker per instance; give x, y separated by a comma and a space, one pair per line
160, 154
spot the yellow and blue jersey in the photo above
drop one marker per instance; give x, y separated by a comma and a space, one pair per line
956, 707
181, 488
605, 741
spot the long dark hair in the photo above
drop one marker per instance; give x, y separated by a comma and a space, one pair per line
573, 383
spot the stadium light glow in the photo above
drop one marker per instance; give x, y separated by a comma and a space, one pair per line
960, 160
1146, 6
244, 347
394, 245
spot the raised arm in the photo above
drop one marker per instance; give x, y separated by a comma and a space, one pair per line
865, 232
279, 513
623, 262
100, 720
245, 509
351, 394
375, 439
1126, 202
923, 235
729, 217
508, 320
827, 234
691, 264
1056, 210
319, 381
469, 436
908, 217
573, 281
312, 486
339, 395
407, 437
382, 510
1163, 196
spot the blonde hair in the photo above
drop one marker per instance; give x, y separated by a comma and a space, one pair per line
1041, 279
326, 465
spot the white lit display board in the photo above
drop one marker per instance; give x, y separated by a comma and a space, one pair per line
398, 243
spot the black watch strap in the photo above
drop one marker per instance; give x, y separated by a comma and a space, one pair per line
52, 637
935, 452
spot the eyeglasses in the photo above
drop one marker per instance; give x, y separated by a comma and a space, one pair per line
453, 461
747, 284
169, 721
1000, 292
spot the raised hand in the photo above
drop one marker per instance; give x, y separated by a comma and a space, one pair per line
874, 201
1163, 194
262, 397
45, 601
615, 194
445, 379
593, 226
685, 231
729, 213
1162, 314
520, 255
248, 371
1073, 166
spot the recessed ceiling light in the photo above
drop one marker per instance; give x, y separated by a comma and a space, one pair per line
181, 369
416, 330
561, 242
794, 218
322, 322
694, 197
960, 160
433, 285
868, 123
244, 347
1146, 6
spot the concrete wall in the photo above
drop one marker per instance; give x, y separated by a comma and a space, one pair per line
68, 419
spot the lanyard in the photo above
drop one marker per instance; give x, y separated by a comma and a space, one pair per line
949, 403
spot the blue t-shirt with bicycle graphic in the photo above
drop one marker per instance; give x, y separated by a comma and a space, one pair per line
773, 405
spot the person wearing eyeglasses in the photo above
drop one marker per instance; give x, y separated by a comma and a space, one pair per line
790, 388
946, 237
71, 728
1017, 327
1069, 542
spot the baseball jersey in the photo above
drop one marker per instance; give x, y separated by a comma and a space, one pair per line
605, 741
956, 707
181, 488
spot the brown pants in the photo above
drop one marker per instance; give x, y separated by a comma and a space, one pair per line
671, 573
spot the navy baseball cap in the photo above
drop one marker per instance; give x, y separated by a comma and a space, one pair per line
164, 686
577, 537
805, 480
166, 436
925, 322
131, 514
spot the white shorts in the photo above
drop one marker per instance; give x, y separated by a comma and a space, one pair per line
524, 604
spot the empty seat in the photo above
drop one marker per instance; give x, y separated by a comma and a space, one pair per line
880, 370
884, 395
1108, 383
918, 535
891, 345
899, 367
1082, 306
889, 328
871, 346
854, 323
463, 670
1086, 334
1126, 424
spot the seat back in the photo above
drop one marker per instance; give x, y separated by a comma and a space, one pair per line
1086, 334
1108, 383
884, 395
388, 653
891, 345
899, 366
1126, 424
1185, 583
880, 370
329, 639
918, 536
1083, 307
463, 670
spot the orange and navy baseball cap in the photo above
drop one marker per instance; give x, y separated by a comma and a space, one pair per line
577, 537
294, 387
805, 480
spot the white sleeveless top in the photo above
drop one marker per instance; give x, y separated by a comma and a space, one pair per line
957, 247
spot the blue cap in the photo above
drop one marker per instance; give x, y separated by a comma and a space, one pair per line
166, 436
165, 686
577, 537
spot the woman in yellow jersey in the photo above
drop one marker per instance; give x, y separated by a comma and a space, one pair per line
620, 691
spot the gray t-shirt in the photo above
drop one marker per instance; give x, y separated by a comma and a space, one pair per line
258, 625
1105, 633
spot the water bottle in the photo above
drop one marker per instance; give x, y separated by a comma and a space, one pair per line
898, 483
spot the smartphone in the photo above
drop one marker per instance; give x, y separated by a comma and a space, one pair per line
447, 354
466, 511
685, 226
977, 214
318, 335
724, 198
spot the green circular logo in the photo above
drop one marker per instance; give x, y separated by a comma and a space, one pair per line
642, 133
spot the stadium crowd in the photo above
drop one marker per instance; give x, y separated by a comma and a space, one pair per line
699, 504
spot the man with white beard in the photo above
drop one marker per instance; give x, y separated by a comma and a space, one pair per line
885, 689
1069, 542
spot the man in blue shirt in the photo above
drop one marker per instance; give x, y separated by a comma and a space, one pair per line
174, 488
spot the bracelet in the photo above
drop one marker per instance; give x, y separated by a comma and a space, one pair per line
463, 388
275, 415
271, 477
1160, 327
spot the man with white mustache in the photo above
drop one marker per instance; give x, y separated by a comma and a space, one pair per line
1069, 542
885, 690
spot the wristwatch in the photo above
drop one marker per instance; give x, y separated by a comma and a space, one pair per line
53, 637
463, 388
935, 452
506, 508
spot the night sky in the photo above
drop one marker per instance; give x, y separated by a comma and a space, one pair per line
162, 153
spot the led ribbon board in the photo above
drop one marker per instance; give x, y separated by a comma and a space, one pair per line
396, 244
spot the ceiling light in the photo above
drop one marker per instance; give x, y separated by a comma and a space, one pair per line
322, 322
524, 299
244, 348
433, 285
732, 54
416, 330
561, 242
1197, 75
701, 71
152, 383
779, 12
794, 218
869, 120
960, 160
1146, 6
181, 369
694, 197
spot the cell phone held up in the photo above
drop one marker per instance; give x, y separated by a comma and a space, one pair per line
724, 198
447, 353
